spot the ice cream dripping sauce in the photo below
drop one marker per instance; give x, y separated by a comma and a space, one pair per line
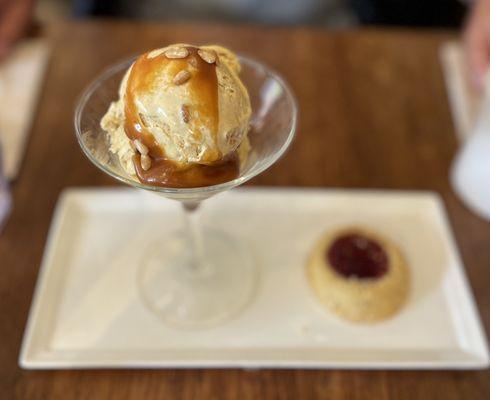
203, 89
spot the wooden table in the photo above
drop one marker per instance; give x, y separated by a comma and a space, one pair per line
373, 113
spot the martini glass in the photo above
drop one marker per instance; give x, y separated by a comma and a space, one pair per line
197, 276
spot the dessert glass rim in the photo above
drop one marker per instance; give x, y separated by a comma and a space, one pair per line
98, 81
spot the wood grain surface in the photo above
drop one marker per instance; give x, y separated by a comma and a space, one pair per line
373, 114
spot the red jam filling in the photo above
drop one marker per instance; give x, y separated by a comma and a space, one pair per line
355, 255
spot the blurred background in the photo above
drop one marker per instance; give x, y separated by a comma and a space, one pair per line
327, 13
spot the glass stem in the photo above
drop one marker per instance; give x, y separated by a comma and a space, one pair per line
195, 237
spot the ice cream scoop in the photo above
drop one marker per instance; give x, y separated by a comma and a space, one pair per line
182, 117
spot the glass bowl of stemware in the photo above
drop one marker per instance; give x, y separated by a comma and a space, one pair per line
198, 276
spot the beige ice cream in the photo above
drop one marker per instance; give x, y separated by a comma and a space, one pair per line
182, 117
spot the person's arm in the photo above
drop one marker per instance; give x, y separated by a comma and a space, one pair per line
15, 17
477, 41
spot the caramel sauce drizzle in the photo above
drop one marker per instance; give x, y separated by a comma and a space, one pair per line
203, 90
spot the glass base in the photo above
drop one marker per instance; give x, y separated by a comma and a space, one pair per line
189, 293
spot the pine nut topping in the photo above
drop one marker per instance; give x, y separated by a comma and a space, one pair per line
207, 55
145, 162
143, 150
176, 52
182, 77
185, 113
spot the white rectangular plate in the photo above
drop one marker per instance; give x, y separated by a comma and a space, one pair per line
86, 312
